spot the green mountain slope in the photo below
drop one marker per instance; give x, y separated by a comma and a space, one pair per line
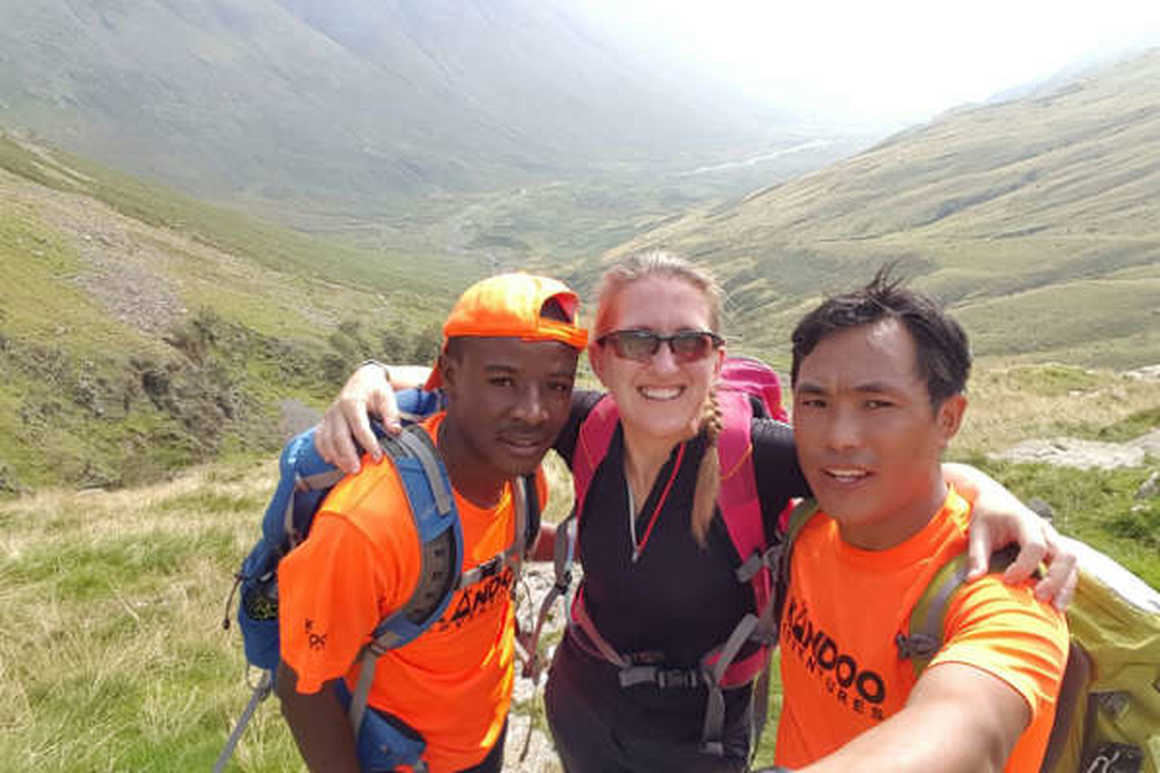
1037, 218
403, 123
141, 331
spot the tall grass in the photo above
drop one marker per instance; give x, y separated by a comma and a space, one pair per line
112, 656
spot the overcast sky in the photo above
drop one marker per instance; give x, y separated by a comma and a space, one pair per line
895, 61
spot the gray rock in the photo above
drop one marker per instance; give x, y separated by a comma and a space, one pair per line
1149, 373
1070, 452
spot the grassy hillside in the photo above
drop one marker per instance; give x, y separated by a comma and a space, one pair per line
141, 331
114, 656
1038, 219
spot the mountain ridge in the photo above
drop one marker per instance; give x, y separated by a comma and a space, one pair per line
388, 113
984, 204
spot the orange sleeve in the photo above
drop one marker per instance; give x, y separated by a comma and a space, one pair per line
1008, 633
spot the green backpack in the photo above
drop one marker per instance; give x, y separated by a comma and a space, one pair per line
1107, 718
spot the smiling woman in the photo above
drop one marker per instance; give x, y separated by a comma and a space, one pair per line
661, 395
649, 514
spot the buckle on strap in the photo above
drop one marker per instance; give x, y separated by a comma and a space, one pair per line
772, 559
490, 567
678, 678
917, 645
664, 678
757, 561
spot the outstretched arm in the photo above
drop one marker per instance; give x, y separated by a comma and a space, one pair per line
958, 719
319, 724
1000, 519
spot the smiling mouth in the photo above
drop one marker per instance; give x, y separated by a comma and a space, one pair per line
661, 393
846, 474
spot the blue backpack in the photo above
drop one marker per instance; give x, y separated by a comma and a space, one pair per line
304, 481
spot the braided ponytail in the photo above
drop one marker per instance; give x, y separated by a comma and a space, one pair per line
708, 473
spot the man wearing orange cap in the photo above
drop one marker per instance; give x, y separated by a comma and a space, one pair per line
507, 367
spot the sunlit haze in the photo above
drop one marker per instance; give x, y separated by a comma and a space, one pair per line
892, 61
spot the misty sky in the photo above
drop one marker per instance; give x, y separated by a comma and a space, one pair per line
895, 61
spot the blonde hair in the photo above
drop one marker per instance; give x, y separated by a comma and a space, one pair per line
646, 265
666, 265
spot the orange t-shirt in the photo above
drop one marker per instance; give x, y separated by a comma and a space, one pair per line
840, 670
360, 563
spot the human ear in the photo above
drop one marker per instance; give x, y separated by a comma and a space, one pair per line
449, 371
950, 416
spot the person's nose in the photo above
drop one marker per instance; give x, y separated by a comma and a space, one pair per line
664, 361
843, 431
530, 407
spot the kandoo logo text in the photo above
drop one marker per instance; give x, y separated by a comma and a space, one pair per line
862, 691
476, 600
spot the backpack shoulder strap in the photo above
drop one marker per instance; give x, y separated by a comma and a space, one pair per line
562, 563
526, 505
431, 502
595, 435
924, 636
747, 388
739, 502
802, 514
737, 498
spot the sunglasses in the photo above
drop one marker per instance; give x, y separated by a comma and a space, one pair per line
642, 345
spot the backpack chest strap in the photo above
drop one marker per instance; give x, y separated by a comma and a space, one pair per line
719, 670
489, 568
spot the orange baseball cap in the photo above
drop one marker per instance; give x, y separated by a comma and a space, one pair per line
512, 306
